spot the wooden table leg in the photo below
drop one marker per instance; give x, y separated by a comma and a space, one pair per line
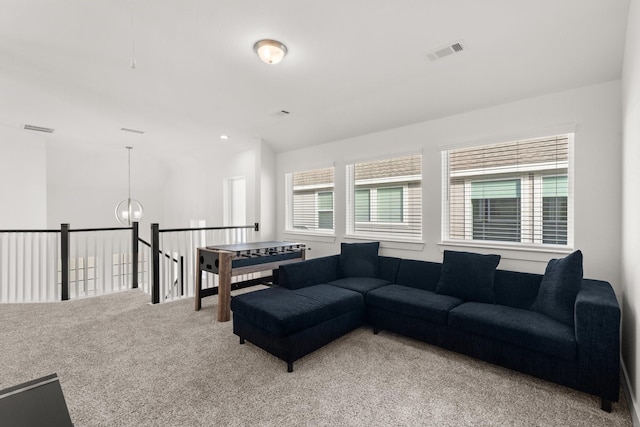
224, 287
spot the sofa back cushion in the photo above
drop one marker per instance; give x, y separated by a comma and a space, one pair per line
359, 259
419, 274
515, 289
388, 268
559, 286
308, 273
468, 276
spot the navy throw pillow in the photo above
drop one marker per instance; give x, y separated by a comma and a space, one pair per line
359, 259
560, 285
468, 276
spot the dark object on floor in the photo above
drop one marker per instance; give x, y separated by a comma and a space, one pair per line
35, 403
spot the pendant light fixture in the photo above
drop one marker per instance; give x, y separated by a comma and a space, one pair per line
270, 51
129, 210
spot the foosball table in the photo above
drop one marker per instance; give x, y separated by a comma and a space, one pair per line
227, 261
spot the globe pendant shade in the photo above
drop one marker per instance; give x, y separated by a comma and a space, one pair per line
129, 211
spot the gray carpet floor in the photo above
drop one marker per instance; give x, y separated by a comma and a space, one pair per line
123, 362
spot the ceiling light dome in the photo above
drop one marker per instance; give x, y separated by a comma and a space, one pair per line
270, 51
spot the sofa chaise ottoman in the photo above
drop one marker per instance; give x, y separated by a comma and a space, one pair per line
292, 323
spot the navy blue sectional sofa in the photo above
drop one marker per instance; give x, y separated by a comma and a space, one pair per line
557, 326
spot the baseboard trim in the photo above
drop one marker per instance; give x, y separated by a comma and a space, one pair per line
628, 392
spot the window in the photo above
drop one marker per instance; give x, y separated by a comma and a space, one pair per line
310, 201
363, 205
390, 206
555, 194
512, 192
496, 210
325, 210
385, 198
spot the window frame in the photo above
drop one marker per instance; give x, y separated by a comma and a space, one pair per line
403, 229
531, 225
317, 189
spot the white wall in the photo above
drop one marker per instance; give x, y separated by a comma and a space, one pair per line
267, 193
631, 203
594, 112
47, 181
86, 182
194, 188
23, 179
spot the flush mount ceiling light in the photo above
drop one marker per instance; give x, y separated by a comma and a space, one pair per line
270, 51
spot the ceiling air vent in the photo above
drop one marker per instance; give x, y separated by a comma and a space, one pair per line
132, 130
445, 51
38, 128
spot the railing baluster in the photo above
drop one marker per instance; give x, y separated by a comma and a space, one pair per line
95, 265
21, 290
122, 259
85, 264
168, 266
165, 277
116, 256
75, 269
3, 269
57, 290
114, 263
184, 263
36, 270
134, 256
120, 263
13, 279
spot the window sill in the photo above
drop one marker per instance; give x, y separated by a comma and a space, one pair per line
311, 237
509, 251
386, 243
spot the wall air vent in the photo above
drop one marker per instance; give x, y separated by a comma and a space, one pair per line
446, 51
132, 130
38, 128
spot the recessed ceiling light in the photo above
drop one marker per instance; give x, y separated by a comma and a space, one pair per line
224, 136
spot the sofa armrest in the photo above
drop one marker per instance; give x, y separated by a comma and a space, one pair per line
597, 324
310, 272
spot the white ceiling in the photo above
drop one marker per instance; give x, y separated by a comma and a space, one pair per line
354, 66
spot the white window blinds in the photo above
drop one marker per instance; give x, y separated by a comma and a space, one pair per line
384, 198
516, 192
310, 201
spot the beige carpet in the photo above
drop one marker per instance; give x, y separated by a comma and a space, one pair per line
123, 362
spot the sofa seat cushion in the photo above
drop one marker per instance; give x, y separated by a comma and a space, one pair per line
282, 311
413, 302
523, 328
359, 284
